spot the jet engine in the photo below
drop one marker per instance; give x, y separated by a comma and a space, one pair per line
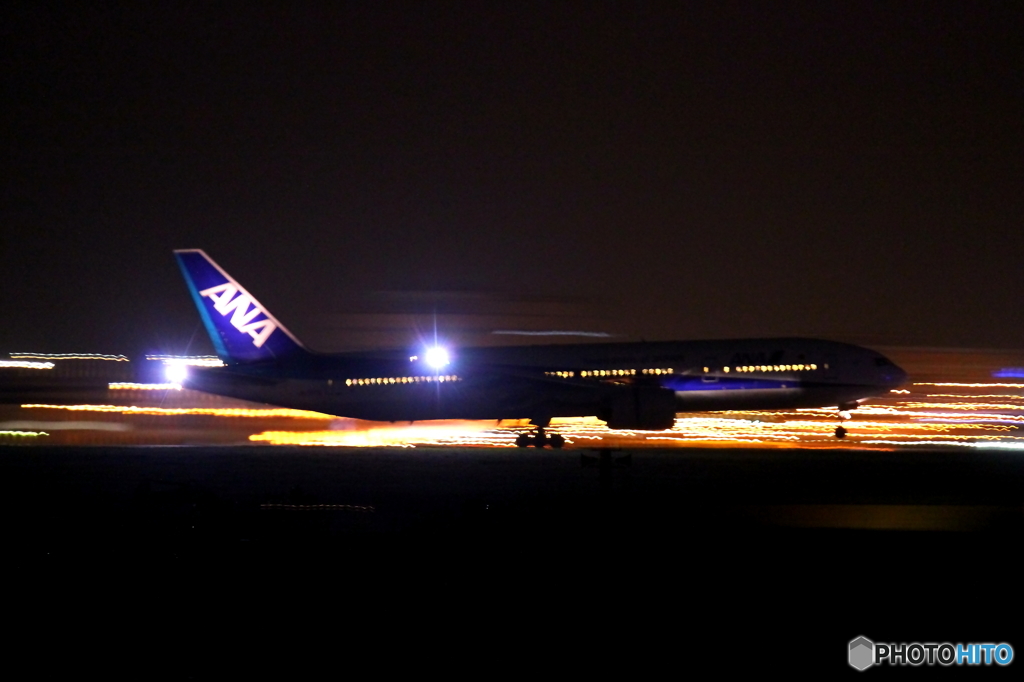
645, 408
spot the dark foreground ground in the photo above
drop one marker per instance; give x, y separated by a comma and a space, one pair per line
207, 562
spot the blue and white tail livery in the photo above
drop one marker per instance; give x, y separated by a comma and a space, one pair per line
241, 329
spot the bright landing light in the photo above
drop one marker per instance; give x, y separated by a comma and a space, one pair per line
175, 372
437, 357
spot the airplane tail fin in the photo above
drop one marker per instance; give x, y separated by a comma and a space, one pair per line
242, 330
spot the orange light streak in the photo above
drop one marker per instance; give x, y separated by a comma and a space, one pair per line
168, 411
972, 415
970, 385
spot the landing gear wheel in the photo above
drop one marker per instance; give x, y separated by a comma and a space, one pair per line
844, 414
539, 440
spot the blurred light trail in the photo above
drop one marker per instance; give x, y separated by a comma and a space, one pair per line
924, 414
25, 364
441, 433
979, 415
64, 425
318, 507
214, 411
190, 360
67, 356
513, 332
974, 385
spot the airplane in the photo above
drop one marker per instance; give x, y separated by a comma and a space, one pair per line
639, 386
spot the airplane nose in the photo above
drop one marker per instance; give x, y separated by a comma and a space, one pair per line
895, 377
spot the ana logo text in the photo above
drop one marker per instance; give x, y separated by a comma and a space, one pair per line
242, 315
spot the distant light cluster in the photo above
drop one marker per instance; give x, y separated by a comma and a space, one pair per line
131, 386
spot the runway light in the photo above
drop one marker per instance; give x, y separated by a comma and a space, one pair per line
437, 357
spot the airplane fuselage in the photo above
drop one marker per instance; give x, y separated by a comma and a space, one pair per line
628, 385
566, 380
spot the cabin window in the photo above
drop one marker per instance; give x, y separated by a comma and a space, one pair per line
710, 371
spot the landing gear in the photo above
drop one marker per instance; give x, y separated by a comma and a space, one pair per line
844, 414
539, 439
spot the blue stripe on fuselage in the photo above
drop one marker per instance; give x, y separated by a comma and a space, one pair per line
682, 383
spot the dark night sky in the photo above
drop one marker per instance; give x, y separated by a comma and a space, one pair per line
844, 170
